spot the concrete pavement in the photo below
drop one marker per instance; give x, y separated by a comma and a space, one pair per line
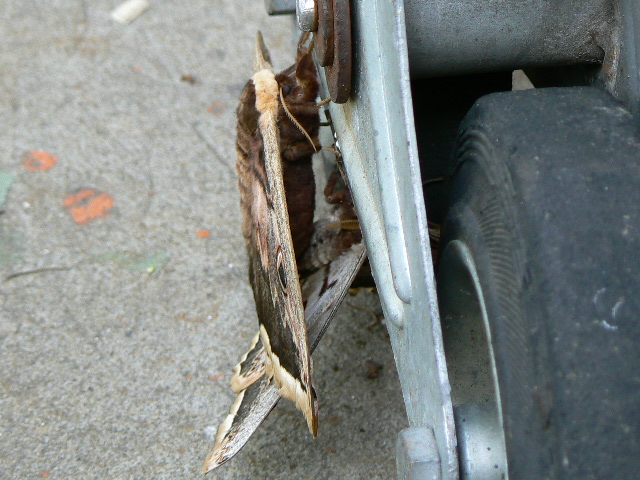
124, 299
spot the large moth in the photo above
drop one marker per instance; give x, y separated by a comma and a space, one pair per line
267, 135
277, 133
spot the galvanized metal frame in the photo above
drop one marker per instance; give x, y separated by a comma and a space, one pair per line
448, 37
280, 7
382, 166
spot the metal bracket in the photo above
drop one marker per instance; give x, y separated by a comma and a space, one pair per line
376, 135
627, 86
417, 455
480, 442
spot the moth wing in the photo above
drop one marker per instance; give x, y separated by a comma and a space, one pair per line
261, 57
272, 266
251, 366
249, 410
324, 291
326, 288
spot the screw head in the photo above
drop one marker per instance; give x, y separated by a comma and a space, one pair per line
307, 13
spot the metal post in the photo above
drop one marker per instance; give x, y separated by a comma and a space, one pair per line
448, 37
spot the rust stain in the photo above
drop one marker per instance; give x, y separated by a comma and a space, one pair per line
188, 319
44, 473
217, 108
216, 376
189, 79
204, 233
38, 160
372, 369
87, 204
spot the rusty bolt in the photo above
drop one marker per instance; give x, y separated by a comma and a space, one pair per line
325, 36
339, 71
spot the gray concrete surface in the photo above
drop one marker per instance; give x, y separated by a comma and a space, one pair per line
113, 334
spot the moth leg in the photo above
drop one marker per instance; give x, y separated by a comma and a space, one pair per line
323, 102
334, 193
304, 36
344, 224
293, 151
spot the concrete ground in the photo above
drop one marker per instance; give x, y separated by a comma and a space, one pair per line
124, 299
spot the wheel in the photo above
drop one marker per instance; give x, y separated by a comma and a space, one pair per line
539, 287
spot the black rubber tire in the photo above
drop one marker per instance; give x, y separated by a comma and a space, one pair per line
546, 195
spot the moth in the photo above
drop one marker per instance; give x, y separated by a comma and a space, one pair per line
272, 147
277, 133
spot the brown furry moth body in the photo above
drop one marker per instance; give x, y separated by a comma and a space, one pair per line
277, 133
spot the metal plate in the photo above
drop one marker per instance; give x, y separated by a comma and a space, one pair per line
376, 134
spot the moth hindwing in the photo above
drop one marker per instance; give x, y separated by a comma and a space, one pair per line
256, 401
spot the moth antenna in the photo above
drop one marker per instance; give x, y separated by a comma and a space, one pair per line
323, 102
295, 122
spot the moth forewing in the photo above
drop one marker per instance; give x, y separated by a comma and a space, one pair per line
284, 337
261, 58
274, 198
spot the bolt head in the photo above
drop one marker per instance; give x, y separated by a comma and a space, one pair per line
307, 13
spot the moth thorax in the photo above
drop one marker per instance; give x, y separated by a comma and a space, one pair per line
266, 91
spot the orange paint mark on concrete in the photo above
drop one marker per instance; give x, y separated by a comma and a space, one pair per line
38, 160
77, 197
216, 377
86, 205
204, 233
